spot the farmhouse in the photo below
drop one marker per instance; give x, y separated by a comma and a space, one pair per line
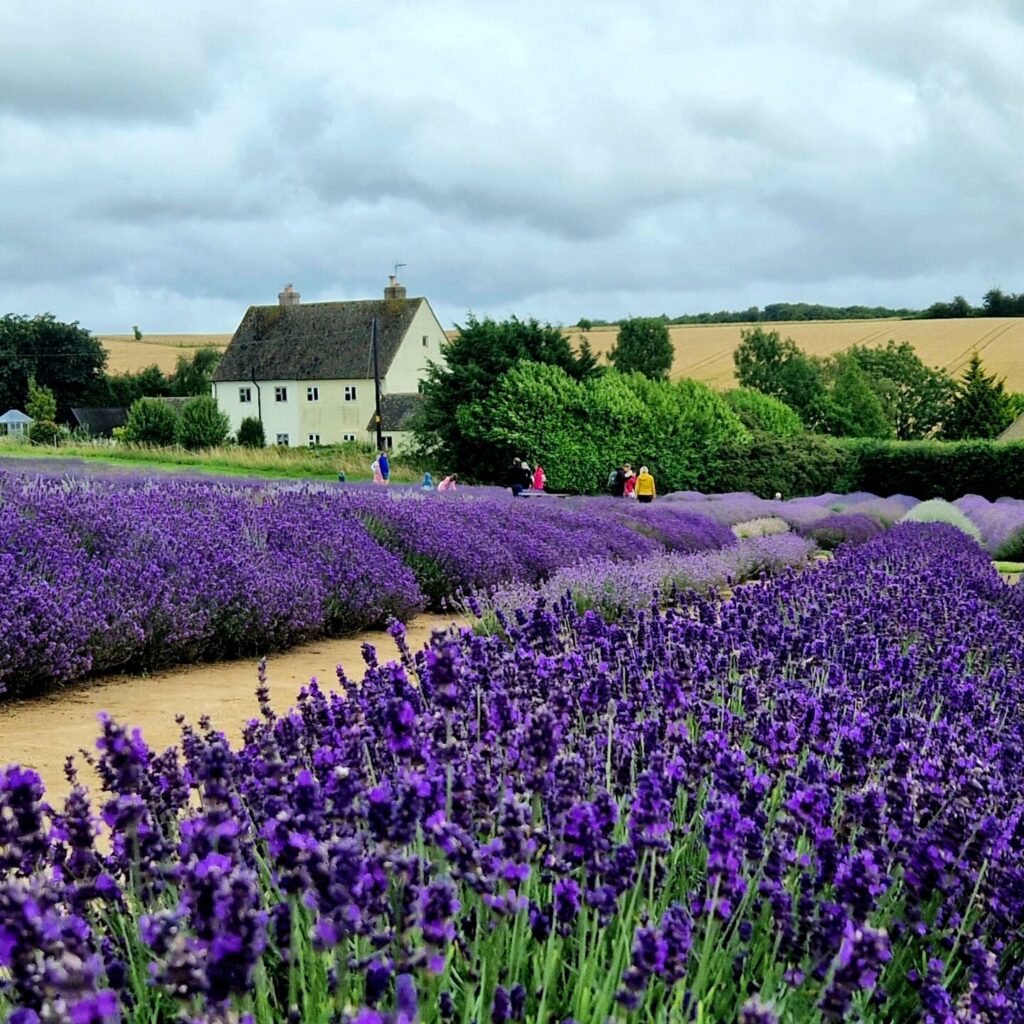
305, 370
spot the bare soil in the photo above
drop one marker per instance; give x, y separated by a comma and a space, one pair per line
41, 732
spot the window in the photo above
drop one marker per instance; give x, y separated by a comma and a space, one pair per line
280, 394
350, 392
245, 394
314, 439
312, 394
348, 437
389, 442
282, 439
425, 341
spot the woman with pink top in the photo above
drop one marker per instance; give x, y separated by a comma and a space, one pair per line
539, 479
448, 483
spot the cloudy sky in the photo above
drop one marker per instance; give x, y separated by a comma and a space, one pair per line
168, 164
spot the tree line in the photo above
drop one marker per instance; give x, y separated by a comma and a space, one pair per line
994, 303
69, 361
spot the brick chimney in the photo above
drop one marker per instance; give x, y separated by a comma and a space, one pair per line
394, 290
289, 297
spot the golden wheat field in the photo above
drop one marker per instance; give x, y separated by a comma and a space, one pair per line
126, 355
704, 351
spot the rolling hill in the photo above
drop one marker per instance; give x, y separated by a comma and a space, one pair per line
704, 351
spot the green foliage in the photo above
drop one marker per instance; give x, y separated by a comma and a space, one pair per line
1012, 549
916, 398
578, 430
44, 432
937, 510
192, 375
853, 408
474, 359
643, 346
955, 310
62, 357
793, 466
980, 409
996, 303
201, 424
777, 367
933, 469
122, 389
150, 421
251, 434
42, 403
762, 412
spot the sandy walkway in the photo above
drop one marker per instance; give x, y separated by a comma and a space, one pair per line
40, 733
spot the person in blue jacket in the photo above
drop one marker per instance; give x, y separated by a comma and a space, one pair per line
385, 466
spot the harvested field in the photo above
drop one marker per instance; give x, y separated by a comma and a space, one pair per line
704, 351
126, 355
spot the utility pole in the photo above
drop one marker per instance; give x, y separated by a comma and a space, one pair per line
376, 383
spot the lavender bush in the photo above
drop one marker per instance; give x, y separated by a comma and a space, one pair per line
616, 588
802, 804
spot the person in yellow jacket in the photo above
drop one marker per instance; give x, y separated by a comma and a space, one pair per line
644, 487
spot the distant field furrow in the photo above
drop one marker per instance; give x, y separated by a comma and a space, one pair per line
704, 351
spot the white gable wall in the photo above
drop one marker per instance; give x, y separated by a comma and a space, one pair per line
409, 366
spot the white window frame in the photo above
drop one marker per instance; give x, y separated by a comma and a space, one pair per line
312, 394
348, 438
350, 393
282, 439
244, 395
314, 439
389, 442
281, 393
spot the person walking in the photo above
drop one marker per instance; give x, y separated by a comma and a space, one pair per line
645, 489
617, 481
539, 479
378, 477
428, 482
385, 466
448, 483
629, 487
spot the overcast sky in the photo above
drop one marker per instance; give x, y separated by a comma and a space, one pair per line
168, 164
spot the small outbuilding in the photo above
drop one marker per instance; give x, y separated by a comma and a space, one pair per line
1014, 432
101, 420
15, 423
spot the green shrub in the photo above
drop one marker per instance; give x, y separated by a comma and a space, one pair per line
201, 424
766, 464
250, 433
760, 412
150, 421
1012, 549
44, 432
939, 511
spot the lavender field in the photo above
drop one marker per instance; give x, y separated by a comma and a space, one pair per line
803, 802
634, 791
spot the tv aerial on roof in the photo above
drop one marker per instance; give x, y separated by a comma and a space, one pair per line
397, 265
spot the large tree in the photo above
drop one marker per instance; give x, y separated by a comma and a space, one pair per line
65, 358
854, 408
643, 346
193, 374
777, 367
916, 397
473, 361
981, 409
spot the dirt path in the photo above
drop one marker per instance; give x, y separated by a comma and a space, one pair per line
40, 733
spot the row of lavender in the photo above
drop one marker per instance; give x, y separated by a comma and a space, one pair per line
857, 516
99, 574
803, 803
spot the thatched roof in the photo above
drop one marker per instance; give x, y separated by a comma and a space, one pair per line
315, 340
101, 420
396, 411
